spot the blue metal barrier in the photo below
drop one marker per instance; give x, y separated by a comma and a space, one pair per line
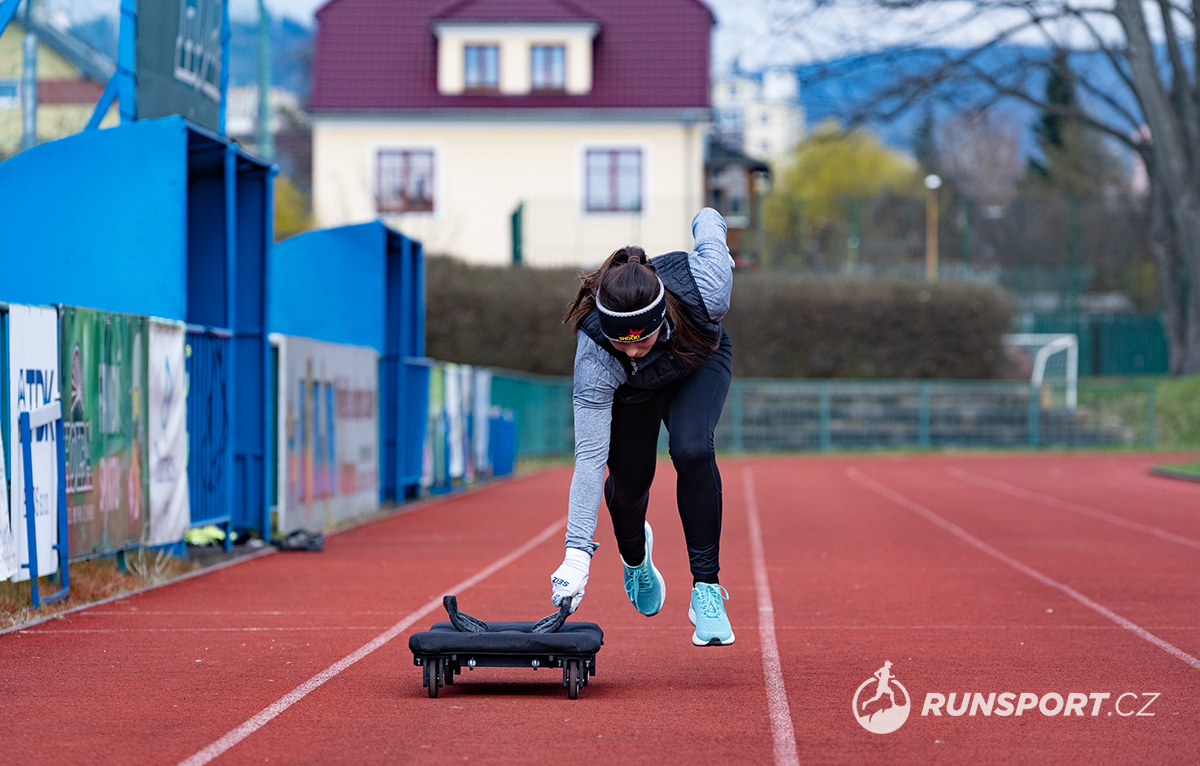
210, 433
44, 416
502, 441
414, 405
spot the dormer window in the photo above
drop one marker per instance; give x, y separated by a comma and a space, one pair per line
549, 67
514, 58
481, 67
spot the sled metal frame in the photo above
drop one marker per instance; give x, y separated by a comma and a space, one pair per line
440, 668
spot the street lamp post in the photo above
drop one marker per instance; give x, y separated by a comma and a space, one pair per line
932, 184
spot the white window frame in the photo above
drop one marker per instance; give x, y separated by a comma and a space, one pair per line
373, 151
493, 88
559, 88
646, 176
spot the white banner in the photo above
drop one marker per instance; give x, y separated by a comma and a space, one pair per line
329, 418
480, 411
33, 383
8, 546
454, 421
169, 508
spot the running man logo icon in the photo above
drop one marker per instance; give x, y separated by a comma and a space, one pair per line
882, 713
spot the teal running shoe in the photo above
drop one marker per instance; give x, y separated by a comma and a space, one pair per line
643, 583
707, 613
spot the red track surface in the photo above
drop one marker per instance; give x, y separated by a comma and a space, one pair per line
861, 571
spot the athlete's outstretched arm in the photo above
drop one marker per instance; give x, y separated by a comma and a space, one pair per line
712, 266
597, 376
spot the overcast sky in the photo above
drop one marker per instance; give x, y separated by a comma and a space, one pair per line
765, 32
756, 32
742, 24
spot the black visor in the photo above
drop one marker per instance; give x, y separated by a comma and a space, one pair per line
632, 326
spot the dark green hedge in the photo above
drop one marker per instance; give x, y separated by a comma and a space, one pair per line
782, 325
785, 326
499, 316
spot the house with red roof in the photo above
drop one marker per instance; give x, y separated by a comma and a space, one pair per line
554, 130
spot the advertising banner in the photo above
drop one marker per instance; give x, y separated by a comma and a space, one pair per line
454, 421
433, 463
480, 414
8, 545
105, 429
33, 382
179, 59
329, 408
168, 437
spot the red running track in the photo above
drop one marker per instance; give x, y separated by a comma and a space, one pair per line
1042, 574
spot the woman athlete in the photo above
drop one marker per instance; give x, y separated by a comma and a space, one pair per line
651, 349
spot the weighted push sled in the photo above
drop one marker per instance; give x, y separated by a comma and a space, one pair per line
551, 642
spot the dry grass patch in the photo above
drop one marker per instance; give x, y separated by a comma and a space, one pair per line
91, 581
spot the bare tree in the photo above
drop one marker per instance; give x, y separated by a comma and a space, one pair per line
1149, 83
980, 152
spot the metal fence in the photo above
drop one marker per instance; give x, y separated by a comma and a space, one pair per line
1047, 249
210, 432
1111, 344
542, 406
778, 415
793, 415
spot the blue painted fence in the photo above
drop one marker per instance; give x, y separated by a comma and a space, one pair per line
210, 459
163, 218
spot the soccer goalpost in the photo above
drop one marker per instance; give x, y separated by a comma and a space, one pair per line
1052, 361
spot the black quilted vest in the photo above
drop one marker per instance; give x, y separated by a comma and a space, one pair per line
662, 366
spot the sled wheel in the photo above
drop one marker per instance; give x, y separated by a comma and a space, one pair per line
434, 669
448, 674
573, 679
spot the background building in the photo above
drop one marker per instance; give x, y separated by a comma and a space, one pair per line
477, 125
70, 79
759, 114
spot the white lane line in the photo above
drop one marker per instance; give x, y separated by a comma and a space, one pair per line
671, 629
189, 630
979, 627
300, 692
1066, 505
777, 702
136, 613
975, 542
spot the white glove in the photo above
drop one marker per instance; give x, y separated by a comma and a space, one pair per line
569, 579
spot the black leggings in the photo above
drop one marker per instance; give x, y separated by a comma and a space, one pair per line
690, 409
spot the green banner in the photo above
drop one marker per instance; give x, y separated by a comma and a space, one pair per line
179, 59
104, 383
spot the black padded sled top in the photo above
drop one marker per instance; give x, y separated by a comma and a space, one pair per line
509, 638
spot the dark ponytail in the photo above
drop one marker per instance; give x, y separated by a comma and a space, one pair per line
628, 281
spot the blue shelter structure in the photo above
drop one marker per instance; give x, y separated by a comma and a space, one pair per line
161, 217
364, 285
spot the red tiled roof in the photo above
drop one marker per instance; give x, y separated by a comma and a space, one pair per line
380, 55
69, 91
507, 10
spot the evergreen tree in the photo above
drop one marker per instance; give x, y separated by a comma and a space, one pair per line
925, 147
1074, 159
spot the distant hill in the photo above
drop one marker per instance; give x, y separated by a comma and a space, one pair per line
291, 50
828, 89
832, 89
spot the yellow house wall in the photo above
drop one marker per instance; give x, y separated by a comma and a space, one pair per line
54, 120
482, 171
515, 42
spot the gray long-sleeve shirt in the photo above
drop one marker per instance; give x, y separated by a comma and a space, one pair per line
598, 374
